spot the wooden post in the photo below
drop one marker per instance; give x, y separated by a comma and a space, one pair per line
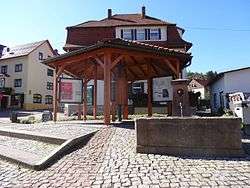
150, 97
55, 93
150, 81
107, 97
95, 93
178, 69
85, 83
79, 112
125, 107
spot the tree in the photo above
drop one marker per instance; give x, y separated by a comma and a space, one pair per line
210, 75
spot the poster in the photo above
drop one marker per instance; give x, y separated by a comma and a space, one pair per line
162, 89
70, 90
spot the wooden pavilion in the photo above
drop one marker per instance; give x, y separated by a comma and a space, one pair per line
117, 61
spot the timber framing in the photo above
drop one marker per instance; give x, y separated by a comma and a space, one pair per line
139, 61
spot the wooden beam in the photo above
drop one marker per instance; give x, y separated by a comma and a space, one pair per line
55, 93
132, 72
85, 84
95, 93
75, 58
154, 69
116, 61
99, 61
150, 83
60, 70
171, 67
107, 85
137, 65
178, 69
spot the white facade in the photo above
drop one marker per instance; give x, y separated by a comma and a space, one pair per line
230, 82
33, 76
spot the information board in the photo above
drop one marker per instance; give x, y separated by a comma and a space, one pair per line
70, 90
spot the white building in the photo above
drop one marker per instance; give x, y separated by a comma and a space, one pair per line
199, 86
228, 82
26, 82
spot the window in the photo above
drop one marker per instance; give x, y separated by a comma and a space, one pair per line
165, 93
50, 72
49, 86
155, 34
140, 34
128, 34
221, 100
48, 99
138, 88
18, 83
90, 94
40, 56
215, 100
37, 98
18, 67
4, 69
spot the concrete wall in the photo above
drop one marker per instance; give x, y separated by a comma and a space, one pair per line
189, 136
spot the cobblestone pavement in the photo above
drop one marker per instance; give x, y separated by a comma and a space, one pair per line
39, 148
109, 160
62, 129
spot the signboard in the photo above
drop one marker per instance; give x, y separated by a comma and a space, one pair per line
162, 89
70, 90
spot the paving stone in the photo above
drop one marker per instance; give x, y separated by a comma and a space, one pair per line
110, 160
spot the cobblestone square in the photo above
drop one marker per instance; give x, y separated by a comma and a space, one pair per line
110, 160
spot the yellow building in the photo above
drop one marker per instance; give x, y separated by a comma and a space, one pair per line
25, 82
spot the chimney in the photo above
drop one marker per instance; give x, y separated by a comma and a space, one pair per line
109, 13
143, 12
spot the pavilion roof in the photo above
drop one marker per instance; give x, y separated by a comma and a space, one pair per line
126, 47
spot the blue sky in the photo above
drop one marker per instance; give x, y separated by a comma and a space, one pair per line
218, 29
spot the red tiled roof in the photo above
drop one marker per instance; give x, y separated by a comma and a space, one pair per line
124, 20
125, 44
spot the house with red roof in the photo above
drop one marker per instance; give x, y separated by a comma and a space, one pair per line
199, 86
139, 28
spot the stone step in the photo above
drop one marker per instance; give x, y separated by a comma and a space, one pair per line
31, 135
18, 156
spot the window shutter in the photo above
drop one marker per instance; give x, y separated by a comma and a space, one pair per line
148, 34
122, 33
159, 30
135, 31
132, 34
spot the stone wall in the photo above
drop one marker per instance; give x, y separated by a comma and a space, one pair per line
189, 136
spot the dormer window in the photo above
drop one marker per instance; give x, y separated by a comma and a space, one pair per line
141, 34
128, 34
155, 34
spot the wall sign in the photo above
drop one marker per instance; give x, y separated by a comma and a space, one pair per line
70, 90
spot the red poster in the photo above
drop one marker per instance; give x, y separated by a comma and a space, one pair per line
66, 91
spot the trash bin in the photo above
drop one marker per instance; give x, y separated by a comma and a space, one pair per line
13, 117
46, 116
